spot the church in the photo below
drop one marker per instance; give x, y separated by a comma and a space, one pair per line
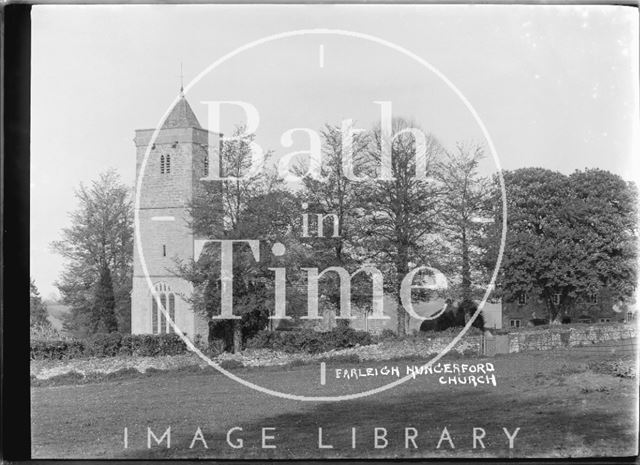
177, 161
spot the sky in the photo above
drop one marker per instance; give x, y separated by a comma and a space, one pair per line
555, 86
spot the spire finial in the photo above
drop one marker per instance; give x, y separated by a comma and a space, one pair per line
181, 80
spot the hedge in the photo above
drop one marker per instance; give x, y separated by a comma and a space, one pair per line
308, 340
111, 344
108, 345
57, 349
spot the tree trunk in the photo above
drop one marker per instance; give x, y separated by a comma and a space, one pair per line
237, 336
466, 268
402, 265
401, 313
103, 314
551, 307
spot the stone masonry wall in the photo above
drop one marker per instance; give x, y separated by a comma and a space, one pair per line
554, 338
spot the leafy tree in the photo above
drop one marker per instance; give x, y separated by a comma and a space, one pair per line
100, 238
37, 308
466, 204
264, 218
400, 214
103, 312
605, 211
538, 256
335, 195
258, 208
568, 236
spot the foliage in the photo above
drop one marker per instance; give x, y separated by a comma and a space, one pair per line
455, 317
568, 235
310, 341
57, 349
37, 308
334, 195
466, 205
259, 208
605, 210
150, 345
400, 215
100, 237
104, 344
103, 311
42, 332
386, 334
107, 345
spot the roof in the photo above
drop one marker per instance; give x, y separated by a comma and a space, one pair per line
181, 116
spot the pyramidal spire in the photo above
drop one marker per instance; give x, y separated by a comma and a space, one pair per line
181, 116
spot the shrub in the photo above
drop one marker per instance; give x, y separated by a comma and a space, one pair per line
57, 349
171, 344
44, 332
104, 344
215, 348
127, 344
151, 345
145, 345
387, 334
108, 345
309, 341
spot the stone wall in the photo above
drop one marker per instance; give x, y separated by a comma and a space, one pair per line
554, 338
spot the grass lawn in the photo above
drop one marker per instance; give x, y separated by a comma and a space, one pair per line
561, 407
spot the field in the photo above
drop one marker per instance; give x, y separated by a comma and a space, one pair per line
564, 403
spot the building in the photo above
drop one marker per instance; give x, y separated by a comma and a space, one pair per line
527, 310
177, 161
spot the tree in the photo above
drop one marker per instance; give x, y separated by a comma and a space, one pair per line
258, 208
400, 214
538, 257
265, 218
336, 196
466, 203
103, 312
605, 211
568, 236
98, 247
37, 308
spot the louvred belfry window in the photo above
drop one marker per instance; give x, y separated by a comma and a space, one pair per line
161, 164
168, 164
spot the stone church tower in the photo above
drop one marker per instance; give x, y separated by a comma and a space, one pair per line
176, 163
